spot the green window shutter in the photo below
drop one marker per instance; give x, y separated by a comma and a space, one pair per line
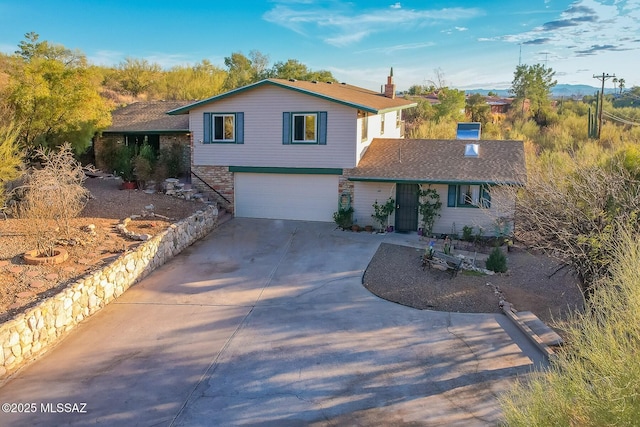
239, 128
207, 128
322, 128
451, 196
286, 128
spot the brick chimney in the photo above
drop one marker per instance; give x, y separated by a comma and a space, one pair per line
390, 88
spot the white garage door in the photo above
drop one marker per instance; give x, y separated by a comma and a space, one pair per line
285, 196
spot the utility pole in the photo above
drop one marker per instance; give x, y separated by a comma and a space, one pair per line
602, 78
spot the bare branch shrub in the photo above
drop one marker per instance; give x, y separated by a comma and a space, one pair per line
573, 212
54, 195
10, 157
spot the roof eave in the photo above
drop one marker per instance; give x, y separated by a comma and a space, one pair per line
187, 108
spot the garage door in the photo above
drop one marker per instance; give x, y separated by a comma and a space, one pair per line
278, 196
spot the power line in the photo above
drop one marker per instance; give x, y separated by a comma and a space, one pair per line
602, 78
620, 119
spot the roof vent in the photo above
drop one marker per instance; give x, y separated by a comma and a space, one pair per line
314, 82
343, 83
292, 80
329, 83
471, 150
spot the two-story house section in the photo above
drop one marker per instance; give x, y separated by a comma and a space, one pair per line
279, 148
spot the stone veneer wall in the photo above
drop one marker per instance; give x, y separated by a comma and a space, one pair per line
217, 177
32, 333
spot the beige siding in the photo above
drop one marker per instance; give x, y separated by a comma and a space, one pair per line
263, 108
365, 194
452, 220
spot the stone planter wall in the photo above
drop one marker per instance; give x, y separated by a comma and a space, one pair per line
33, 332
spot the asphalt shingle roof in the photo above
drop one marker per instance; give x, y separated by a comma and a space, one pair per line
353, 96
148, 116
426, 160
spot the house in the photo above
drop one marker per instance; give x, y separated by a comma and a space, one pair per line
467, 175
146, 122
288, 149
280, 148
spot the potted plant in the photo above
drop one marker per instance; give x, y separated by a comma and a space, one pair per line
125, 167
144, 165
382, 212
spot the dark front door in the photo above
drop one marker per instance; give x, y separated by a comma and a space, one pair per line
406, 207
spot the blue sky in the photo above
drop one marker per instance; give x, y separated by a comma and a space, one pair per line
473, 44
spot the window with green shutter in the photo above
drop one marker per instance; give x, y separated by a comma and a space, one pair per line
304, 128
223, 128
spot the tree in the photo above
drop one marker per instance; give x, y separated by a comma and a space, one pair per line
138, 75
242, 70
294, 69
452, 103
478, 109
534, 82
55, 96
10, 158
197, 82
621, 83
571, 211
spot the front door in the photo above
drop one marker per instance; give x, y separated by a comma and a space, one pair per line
406, 207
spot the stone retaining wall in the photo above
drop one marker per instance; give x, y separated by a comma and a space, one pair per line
33, 332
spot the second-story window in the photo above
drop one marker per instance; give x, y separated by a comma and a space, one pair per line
305, 128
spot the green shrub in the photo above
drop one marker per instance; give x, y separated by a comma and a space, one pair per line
497, 261
344, 217
467, 233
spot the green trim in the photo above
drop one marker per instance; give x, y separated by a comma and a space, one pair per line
187, 108
146, 132
283, 170
431, 181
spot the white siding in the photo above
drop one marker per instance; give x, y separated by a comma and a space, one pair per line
374, 131
276, 196
365, 194
263, 108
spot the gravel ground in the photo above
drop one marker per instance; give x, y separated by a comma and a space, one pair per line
23, 285
395, 274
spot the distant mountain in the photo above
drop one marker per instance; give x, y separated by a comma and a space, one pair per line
559, 91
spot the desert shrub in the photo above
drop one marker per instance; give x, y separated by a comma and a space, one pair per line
467, 233
10, 158
170, 162
594, 380
53, 195
497, 261
144, 163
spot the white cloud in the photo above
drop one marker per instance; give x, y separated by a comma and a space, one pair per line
335, 21
399, 47
396, 6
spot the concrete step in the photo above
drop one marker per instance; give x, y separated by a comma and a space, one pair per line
546, 334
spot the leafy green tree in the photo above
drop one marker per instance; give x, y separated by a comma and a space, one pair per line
294, 69
10, 157
452, 103
242, 70
534, 82
138, 75
55, 96
478, 109
193, 82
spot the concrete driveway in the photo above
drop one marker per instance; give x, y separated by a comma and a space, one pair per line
267, 323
